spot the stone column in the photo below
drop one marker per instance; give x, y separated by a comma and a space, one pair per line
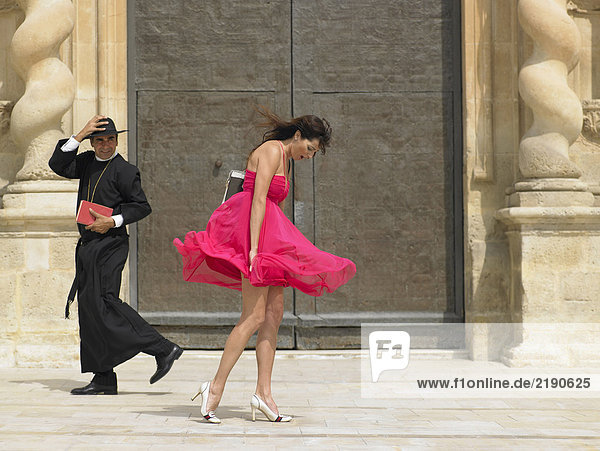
49, 84
552, 226
37, 229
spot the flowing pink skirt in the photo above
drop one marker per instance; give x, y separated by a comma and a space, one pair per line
219, 255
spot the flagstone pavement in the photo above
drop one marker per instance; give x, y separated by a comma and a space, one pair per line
320, 389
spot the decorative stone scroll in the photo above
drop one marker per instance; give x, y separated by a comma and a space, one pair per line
557, 113
584, 7
49, 85
7, 5
6, 107
591, 119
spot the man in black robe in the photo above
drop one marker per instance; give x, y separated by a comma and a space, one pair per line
111, 331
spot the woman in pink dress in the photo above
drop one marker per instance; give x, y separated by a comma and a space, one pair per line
250, 245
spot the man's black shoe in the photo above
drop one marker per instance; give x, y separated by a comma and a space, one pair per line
164, 364
94, 388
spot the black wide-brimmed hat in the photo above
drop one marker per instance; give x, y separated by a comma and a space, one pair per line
109, 129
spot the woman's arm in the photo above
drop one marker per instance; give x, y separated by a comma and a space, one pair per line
269, 157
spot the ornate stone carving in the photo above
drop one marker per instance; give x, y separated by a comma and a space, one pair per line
557, 113
49, 85
6, 107
584, 7
591, 119
7, 5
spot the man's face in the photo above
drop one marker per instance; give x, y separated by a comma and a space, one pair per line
104, 146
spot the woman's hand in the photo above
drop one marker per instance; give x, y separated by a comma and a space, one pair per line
251, 256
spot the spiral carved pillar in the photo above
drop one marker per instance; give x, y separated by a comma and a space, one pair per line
49, 85
550, 178
557, 112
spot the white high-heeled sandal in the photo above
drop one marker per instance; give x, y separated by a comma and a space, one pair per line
257, 403
208, 415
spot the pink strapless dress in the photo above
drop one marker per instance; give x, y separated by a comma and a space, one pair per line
219, 255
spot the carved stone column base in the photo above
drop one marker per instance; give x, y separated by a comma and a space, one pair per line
554, 284
50, 198
550, 193
38, 237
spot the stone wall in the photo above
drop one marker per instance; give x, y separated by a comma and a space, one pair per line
491, 137
586, 84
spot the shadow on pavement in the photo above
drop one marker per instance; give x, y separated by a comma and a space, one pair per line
193, 412
66, 385
53, 384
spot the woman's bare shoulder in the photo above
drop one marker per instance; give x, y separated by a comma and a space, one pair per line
269, 152
269, 148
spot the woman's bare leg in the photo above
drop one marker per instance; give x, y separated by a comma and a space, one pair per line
266, 344
254, 301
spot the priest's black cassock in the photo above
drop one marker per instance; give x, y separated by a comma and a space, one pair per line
111, 331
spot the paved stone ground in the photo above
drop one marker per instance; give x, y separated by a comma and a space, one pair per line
321, 390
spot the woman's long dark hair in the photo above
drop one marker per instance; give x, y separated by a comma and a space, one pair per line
310, 127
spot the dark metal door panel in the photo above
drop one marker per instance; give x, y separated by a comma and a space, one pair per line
386, 75
184, 186
200, 69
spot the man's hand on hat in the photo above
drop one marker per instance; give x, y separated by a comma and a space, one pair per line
102, 224
95, 124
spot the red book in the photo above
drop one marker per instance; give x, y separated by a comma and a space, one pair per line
83, 213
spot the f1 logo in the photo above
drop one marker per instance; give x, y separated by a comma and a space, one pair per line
388, 350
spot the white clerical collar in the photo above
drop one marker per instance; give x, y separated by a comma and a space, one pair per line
109, 158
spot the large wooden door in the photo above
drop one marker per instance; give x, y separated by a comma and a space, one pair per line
387, 194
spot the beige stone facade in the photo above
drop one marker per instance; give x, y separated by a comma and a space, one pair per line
530, 175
